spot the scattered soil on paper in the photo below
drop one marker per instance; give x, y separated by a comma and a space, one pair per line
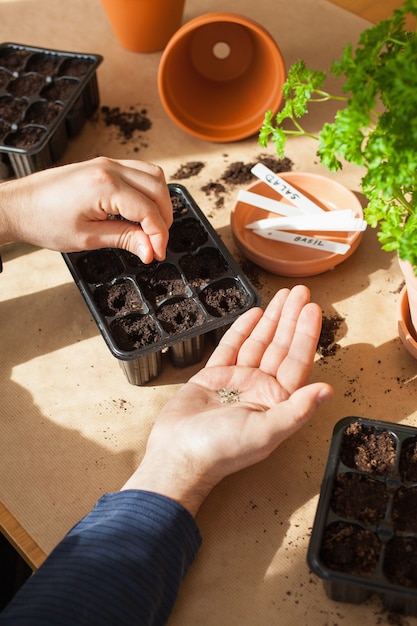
239, 173
327, 345
126, 122
192, 168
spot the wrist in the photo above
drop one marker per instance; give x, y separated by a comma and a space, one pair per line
183, 487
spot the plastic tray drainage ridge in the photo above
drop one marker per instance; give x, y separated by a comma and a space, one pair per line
364, 537
144, 311
45, 98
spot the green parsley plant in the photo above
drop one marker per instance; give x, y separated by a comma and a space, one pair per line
375, 128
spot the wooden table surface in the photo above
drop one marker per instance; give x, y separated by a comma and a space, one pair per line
372, 10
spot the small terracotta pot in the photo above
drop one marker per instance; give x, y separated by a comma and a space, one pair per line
218, 75
144, 25
407, 308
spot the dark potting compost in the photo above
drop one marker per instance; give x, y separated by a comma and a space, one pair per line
364, 537
127, 122
144, 311
46, 96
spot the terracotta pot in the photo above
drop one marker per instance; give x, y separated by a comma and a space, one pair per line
144, 25
407, 308
218, 75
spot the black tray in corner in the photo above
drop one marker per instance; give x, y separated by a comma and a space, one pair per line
171, 307
364, 537
45, 98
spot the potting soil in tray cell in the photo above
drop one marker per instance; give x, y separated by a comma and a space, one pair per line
45, 98
364, 537
171, 306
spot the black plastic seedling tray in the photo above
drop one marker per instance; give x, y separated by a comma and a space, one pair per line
45, 98
169, 307
364, 538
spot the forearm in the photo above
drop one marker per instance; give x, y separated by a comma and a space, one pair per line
122, 564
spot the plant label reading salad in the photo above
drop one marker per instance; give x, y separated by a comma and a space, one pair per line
304, 204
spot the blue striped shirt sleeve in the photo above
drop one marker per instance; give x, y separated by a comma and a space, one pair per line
120, 565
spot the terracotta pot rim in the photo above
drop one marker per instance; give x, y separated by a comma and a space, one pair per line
406, 330
220, 131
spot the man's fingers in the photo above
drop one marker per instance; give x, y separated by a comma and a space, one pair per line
228, 349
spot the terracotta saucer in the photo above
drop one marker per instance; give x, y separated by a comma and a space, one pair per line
406, 330
286, 259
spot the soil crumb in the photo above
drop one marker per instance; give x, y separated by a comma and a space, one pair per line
252, 271
327, 345
217, 190
238, 173
187, 170
126, 122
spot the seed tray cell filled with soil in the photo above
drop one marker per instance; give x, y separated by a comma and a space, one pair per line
364, 537
56, 91
144, 311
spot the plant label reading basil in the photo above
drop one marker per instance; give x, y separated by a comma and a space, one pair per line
304, 204
300, 240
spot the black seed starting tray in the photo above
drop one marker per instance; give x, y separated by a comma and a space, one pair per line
172, 306
364, 538
45, 98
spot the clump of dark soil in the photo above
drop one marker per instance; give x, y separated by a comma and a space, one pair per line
223, 299
205, 265
239, 173
75, 66
350, 549
178, 207
359, 497
164, 282
11, 110
134, 331
180, 315
408, 460
131, 260
126, 122
26, 137
60, 90
192, 168
118, 299
42, 63
4, 129
25, 85
100, 266
42, 112
13, 59
368, 451
327, 345
400, 566
186, 235
252, 271
4, 78
404, 510
217, 190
